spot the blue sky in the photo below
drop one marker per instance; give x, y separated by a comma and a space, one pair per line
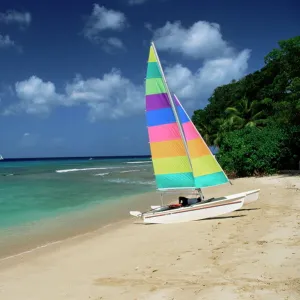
72, 73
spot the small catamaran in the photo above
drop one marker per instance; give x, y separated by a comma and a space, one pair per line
181, 158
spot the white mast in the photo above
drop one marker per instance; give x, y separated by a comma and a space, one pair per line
172, 105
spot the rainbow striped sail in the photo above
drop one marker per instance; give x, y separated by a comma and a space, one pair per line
206, 170
180, 157
171, 164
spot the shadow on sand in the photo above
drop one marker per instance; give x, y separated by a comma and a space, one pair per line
215, 218
222, 218
247, 209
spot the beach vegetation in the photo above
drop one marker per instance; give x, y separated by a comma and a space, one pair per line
255, 121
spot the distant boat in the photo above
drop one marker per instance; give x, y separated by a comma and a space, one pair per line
181, 159
1, 157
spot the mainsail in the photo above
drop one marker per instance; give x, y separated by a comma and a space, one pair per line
206, 169
172, 167
180, 157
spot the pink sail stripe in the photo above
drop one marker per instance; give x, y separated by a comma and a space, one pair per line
189, 131
164, 132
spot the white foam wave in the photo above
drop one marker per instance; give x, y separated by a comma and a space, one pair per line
128, 181
138, 162
101, 174
129, 171
77, 170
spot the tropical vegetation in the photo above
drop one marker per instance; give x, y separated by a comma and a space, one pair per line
255, 121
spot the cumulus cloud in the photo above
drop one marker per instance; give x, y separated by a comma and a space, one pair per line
201, 40
197, 86
114, 95
37, 96
6, 41
23, 19
218, 62
111, 96
103, 19
12, 16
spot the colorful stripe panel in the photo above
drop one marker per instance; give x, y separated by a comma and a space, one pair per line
170, 161
179, 180
206, 170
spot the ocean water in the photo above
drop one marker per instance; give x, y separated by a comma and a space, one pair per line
33, 192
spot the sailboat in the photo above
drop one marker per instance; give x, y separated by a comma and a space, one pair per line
181, 159
250, 196
1, 157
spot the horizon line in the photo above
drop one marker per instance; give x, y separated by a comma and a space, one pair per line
74, 157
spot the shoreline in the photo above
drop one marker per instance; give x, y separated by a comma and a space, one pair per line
253, 252
57, 229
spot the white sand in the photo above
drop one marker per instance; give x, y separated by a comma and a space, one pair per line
253, 253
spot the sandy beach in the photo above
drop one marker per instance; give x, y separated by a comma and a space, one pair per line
253, 253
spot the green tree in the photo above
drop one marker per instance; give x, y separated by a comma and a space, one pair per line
267, 97
246, 114
252, 151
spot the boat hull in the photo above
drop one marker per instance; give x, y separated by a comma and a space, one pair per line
250, 196
195, 212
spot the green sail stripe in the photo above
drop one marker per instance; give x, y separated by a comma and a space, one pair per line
153, 71
155, 86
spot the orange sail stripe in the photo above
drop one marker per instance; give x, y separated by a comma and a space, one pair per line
197, 148
167, 149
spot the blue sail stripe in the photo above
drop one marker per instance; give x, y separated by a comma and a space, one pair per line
160, 116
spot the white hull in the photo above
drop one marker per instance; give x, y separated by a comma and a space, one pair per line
250, 196
214, 208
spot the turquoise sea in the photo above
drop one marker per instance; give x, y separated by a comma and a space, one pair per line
33, 193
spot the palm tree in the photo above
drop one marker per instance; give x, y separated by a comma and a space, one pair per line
245, 114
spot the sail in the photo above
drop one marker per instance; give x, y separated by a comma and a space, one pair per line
206, 170
172, 168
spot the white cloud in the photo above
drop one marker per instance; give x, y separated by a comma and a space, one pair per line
115, 42
12, 16
109, 97
112, 96
36, 97
103, 19
136, 2
6, 42
112, 43
201, 40
199, 85
218, 63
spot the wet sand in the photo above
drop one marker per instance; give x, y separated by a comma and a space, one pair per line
251, 253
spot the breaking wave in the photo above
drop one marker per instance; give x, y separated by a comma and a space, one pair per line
129, 171
77, 170
128, 181
138, 162
101, 174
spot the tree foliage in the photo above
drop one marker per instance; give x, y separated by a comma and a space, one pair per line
249, 151
266, 100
